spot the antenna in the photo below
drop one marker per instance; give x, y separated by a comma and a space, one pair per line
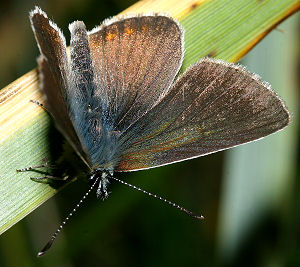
200, 217
53, 237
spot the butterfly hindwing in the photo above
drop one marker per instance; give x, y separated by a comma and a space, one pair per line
213, 106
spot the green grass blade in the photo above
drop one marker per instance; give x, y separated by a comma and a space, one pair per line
223, 29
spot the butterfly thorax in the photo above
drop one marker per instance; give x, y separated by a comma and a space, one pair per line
100, 143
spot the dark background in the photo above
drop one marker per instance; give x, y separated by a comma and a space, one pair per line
252, 218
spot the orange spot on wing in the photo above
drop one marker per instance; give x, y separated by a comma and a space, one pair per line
129, 31
110, 36
207, 133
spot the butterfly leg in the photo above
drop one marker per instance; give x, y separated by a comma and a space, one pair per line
45, 164
39, 104
45, 178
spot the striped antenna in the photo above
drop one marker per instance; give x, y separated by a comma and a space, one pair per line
188, 212
53, 237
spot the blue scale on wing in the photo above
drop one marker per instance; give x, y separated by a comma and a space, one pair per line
88, 111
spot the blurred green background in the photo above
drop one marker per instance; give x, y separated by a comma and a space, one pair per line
248, 195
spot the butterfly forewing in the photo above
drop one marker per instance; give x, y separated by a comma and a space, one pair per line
54, 74
135, 61
213, 106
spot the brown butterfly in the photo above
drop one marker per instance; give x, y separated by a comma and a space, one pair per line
118, 101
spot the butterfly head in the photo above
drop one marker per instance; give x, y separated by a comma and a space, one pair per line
102, 176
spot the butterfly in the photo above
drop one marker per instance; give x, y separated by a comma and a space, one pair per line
118, 99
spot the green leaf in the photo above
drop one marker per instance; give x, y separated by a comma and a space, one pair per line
224, 29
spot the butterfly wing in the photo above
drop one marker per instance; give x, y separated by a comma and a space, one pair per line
213, 106
54, 74
135, 61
